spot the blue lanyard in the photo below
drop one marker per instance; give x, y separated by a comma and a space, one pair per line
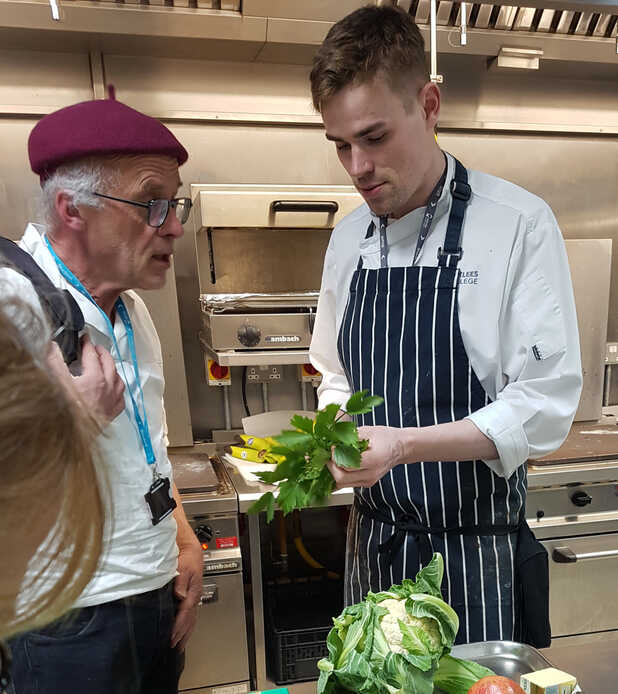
121, 310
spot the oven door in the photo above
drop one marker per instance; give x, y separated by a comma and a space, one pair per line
583, 575
216, 655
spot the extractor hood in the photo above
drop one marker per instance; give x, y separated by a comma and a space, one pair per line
591, 19
289, 31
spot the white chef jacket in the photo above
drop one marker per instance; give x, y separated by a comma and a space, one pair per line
137, 556
516, 310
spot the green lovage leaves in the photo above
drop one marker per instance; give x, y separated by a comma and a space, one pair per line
303, 477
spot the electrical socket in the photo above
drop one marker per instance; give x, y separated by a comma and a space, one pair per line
263, 374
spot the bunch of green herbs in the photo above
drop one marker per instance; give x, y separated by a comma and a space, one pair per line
303, 476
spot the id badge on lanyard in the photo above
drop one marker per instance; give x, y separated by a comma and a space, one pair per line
159, 497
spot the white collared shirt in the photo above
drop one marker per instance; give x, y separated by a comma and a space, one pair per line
137, 556
516, 310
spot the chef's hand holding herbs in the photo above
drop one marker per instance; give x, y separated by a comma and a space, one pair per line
311, 451
384, 451
388, 447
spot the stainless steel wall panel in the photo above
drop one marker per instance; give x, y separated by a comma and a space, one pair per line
19, 187
591, 291
163, 306
560, 95
170, 88
39, 82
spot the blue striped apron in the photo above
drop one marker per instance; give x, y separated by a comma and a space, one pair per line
400, 338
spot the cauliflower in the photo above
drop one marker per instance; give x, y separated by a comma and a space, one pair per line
397, 613
393, 642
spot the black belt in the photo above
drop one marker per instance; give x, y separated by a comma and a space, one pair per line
408, 523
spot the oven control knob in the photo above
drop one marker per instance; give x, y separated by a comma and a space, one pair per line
540, 514
581, 499
204, 533
249, 335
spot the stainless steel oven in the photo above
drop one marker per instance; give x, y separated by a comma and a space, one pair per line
577, 522
217, 657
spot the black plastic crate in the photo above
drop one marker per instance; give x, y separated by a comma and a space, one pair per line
298, 619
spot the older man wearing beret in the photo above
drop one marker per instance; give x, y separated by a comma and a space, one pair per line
109, 177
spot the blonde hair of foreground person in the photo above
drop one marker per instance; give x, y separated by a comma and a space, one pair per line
49, 492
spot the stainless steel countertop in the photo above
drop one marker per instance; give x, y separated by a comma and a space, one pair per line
594, 664
538, 477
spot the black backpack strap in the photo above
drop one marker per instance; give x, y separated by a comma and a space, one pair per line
64, 314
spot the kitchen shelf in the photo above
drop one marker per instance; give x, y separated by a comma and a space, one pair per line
259, 357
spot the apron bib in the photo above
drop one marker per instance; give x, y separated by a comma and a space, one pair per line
400, 338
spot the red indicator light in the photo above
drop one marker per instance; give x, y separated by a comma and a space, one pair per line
204, 546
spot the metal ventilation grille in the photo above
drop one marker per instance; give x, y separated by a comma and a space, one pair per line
513, 18
231, 5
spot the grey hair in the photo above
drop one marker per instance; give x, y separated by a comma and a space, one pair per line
80, 179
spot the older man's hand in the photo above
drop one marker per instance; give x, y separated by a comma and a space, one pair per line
188, 589
384, 453
99, 387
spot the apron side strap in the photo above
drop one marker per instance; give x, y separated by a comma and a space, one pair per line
407, 524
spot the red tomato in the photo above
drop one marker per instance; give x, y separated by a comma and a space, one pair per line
495, 685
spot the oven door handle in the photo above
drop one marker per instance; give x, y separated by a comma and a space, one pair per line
565, 555
329, 206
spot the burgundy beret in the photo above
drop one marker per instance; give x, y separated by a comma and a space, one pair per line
101, 126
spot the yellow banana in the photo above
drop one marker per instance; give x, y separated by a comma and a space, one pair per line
250, 454
255, 456
258, 444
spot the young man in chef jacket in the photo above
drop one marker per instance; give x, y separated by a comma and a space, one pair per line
448, 294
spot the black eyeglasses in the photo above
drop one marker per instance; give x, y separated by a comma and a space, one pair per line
158, 209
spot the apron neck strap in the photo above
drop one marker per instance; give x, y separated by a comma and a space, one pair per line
451, 254
369, 234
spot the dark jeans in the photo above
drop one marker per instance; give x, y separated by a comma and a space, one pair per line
120, 647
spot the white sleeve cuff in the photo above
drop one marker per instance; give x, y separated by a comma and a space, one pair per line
510, 440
